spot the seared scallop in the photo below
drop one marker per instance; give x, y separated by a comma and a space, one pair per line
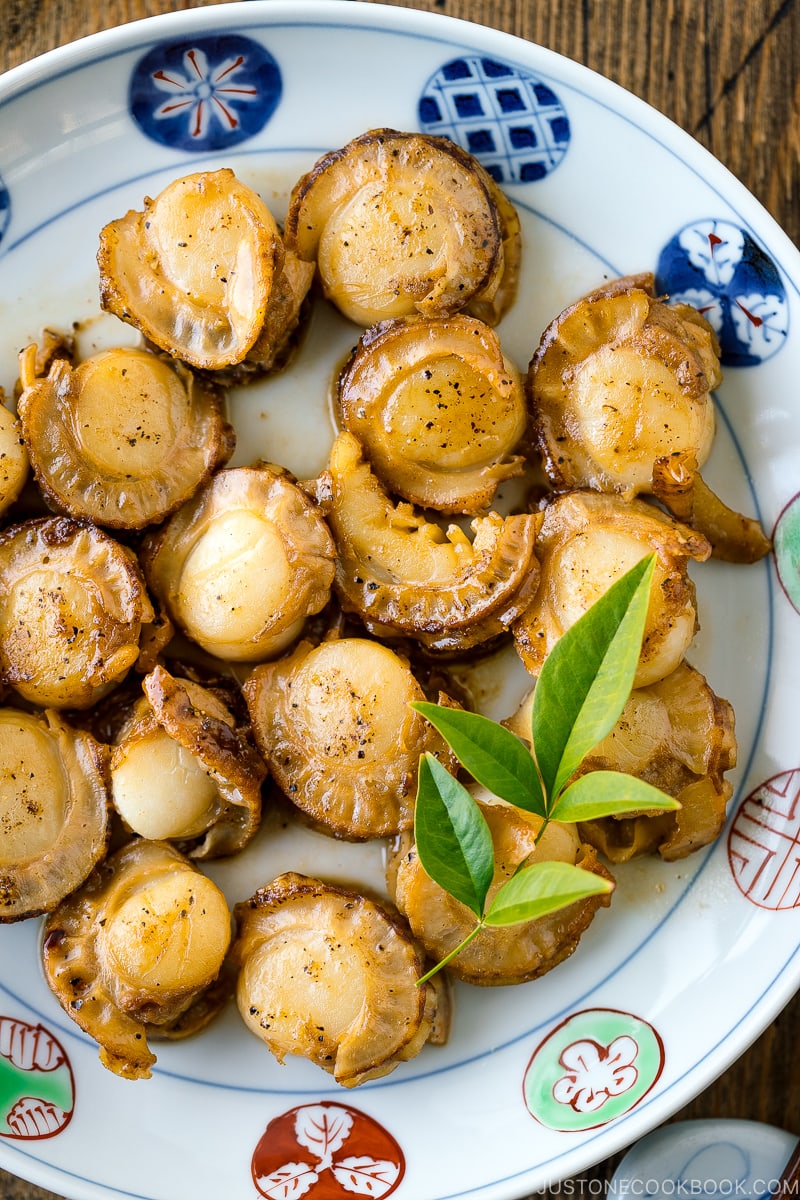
124, 438
406, 576
138, 951
680, 736
53, 811
494, 301
502, 955
587, 541
241, 566
332, 976
183, 770
401, 223
619, 379
438, 408
73, 605
335, 725
677, 735
200, 272
14, 462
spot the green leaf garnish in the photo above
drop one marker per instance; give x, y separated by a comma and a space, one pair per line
542, 888
606, 794
452, 838
587, 677
493, 755
581, 691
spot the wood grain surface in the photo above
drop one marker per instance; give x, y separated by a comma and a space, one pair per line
727, 72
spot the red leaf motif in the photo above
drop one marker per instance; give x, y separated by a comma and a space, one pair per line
34, 1118
323, 1129
29, 1048
289, 1182
352, 1156
366, 1176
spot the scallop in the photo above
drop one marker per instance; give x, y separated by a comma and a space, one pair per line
406, 576
588, 540
502, 955
242, 565
53, 810
680, 736
73, 606
335, 725
438, 408
123, 439
400, 223
183, 769
619, 379
201, 273
138, 951
332, 976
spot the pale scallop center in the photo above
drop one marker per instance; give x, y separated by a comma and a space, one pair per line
352, 701
161, 790
629, 411
586, 566
447, 414
209, 246
380, 252
235, 580
125, 414
301, 981
33, 791
59, 615
172, 934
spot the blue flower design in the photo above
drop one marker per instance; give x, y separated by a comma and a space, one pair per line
206, 94
512, 122
718, 268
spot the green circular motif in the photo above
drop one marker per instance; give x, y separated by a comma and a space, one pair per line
37, 1088
786, 544
593, 1067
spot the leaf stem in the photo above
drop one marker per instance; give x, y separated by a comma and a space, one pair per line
452, 953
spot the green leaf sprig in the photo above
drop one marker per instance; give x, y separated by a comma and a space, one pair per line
582, 688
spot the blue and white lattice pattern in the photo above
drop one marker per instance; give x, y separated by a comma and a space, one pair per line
205, 94
5, 209
718, 268
512, 122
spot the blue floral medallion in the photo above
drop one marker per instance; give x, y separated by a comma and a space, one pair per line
512, 122
720, 270
208, 93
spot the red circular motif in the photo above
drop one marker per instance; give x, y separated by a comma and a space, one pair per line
326, 1152
764, 843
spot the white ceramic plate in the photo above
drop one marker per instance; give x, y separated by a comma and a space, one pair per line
692, 960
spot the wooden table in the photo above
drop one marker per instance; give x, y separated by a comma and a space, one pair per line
728, 72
